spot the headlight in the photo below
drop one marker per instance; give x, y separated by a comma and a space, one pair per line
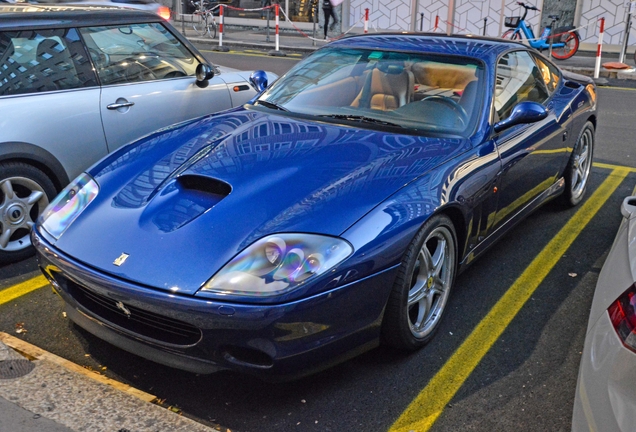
277, 264
68, 205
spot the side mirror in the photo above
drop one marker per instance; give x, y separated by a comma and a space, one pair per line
524, 112
204, 73
258, 80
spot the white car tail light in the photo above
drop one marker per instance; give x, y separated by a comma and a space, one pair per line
622, 313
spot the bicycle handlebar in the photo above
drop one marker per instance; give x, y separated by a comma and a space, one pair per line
534, 8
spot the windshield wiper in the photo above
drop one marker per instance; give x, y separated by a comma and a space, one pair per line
361, 119
270, 105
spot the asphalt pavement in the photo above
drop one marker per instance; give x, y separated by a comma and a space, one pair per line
42, 392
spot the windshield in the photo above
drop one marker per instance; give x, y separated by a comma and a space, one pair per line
421, 92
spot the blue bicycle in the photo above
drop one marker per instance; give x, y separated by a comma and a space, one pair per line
563, 42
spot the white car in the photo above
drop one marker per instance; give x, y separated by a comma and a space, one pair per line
605, 393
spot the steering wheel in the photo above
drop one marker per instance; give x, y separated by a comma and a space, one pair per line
462, 115
136, 72
174, 74
100, 58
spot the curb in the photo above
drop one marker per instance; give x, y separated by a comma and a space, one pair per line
78, 399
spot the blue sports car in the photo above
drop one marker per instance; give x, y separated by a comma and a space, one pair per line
327, 216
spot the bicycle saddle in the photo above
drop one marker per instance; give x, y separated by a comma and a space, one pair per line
554, 17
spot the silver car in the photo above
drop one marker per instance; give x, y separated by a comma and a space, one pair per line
77, 83
605, 393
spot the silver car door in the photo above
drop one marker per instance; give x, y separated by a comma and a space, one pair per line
50, 98
148, 81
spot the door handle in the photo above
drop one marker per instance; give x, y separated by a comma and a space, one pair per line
115, 106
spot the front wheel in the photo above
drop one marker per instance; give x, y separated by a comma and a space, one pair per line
422, 286
578, 169
212, 30
25, 191
201, 27
512, 35
570, 46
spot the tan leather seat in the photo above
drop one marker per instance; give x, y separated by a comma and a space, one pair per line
387, 87
442, 76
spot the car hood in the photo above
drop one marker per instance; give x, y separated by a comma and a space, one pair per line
183, 201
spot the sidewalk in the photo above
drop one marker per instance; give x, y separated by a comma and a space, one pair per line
40, 392
292, 41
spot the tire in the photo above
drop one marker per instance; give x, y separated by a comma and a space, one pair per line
571, 41
422, 286
200, 28
511, 35
25, 191
212, 30
578, 169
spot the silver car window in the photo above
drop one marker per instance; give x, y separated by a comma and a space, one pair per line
137, 53
34, 61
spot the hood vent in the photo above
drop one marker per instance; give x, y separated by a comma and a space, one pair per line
204, 184
183, 200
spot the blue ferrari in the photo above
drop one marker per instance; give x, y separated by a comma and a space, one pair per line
327, 216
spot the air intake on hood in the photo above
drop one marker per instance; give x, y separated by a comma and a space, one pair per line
183, 200
204, 184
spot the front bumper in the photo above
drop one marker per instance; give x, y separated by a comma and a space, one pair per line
201, 335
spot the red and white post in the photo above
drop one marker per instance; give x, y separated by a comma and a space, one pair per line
277, 51
366, 20
436, 23
277, 21
221, 47
221, 26
597, 68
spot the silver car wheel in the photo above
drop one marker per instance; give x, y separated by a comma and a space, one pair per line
430, 282
581, 163
17, 213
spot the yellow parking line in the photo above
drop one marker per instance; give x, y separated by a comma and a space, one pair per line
21, 289
617, 88
613, 167
422, 413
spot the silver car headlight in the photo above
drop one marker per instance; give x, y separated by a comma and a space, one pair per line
68, 205
277, 264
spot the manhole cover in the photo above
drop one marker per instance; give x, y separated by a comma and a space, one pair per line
15, 368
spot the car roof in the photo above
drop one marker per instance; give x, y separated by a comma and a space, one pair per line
483, 48
23, 15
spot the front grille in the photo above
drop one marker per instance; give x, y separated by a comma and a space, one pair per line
139, 321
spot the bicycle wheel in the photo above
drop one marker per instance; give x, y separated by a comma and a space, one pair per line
201, 27
570, 46
511, 35
212, 29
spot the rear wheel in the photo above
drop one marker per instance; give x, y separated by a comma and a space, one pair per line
578, 169
212, 30
422, 286
25, 192
512, 35
570, 46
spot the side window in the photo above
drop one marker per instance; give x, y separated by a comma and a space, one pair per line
34, 61
518, 80
137, 53
549, 73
